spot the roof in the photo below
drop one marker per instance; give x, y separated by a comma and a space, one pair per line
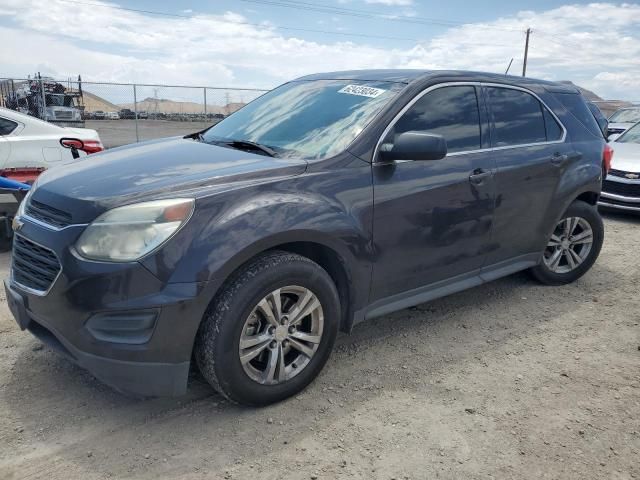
409, 76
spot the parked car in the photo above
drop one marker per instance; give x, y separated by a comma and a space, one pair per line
621, 189
143, 115
29, 145
112, 116
99, 115
330, 200
127, 114
623, 119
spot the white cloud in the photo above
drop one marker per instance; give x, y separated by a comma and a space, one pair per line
595, 45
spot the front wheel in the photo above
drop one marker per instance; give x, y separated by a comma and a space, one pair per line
270, 331
573, 247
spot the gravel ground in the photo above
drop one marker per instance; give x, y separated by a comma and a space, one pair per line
507, 380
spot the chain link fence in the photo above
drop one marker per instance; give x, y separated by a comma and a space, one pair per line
124, 113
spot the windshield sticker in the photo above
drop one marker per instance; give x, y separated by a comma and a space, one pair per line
362, 91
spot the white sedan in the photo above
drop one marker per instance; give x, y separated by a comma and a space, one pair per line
621, 189
29, 146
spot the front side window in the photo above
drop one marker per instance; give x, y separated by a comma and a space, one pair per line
307, 119
448, 111
518, 118
7, 126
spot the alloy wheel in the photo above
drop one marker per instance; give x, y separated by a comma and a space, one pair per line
569, 245
281, 335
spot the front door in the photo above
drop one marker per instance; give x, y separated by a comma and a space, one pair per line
432, 219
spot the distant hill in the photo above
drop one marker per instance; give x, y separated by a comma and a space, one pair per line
163, 105
92, 103
607, 107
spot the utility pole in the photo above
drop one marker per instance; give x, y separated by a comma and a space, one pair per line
526, 54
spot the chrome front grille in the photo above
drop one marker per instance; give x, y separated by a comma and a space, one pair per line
49, 215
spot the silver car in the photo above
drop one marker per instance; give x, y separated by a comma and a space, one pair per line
621, 189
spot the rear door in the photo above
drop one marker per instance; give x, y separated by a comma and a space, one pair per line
432, 219
531, 153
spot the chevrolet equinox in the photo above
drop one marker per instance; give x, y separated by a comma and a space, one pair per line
335, 198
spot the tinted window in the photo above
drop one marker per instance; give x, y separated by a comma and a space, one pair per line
449, 111
575, 103
517, 117
601, 120
7, 126
554, 131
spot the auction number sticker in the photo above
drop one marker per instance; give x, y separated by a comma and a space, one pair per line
362, 91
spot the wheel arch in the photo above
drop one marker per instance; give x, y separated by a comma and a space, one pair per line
351, 279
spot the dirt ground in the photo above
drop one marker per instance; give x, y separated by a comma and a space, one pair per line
115, 133
508, 380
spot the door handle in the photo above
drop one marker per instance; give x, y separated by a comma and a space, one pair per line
558, 159
478, 176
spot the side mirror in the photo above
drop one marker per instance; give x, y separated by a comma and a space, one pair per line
414, 146
613, 137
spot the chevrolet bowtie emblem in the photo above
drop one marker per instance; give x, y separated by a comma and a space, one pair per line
632, 176
17, 224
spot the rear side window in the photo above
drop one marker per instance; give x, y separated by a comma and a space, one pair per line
518, 118
448, 111
574, 102
7, 126
554, 131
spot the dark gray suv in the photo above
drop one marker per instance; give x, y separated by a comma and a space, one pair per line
332, 199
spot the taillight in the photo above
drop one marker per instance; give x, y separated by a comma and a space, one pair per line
92, 146
607, 156
87, 146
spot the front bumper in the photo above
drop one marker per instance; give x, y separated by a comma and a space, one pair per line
118, 321
621, 194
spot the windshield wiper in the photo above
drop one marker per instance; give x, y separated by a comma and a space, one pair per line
246, 144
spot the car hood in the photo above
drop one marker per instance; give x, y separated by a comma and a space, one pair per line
626, 157
174, 167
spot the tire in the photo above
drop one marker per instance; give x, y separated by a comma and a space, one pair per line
582, 216
239, 313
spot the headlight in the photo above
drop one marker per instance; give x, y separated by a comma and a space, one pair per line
128, 233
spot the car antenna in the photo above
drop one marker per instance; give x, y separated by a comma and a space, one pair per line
507, 72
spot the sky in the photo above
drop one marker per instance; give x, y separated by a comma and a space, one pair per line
263, 43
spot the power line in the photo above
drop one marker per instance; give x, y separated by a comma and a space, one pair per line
269, 27
300, 5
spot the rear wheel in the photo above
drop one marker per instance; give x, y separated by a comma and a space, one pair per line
573, 247
270, 331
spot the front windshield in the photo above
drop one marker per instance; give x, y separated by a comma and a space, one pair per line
631, 115
307, 119
57, 100
631, 136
